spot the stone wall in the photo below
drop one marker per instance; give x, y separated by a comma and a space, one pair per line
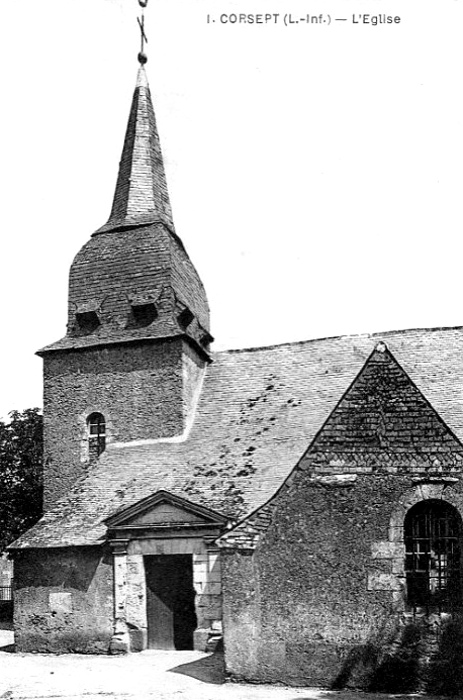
241, 615
144, 390
193, 374
321, 601
63, 600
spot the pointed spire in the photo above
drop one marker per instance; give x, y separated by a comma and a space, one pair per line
141, 195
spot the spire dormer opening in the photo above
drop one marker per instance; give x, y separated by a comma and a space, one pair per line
143, 314
87, 322
185, 317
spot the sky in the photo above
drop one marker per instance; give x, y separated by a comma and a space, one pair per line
315, 170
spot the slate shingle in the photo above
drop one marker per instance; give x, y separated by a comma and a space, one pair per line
259, 411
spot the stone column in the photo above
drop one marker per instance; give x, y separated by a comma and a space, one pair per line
136, 602
207, 584
120, 642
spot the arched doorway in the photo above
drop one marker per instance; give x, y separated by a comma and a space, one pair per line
432, 535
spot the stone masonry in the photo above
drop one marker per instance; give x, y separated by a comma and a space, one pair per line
145, 390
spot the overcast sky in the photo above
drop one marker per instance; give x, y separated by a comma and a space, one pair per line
315, 171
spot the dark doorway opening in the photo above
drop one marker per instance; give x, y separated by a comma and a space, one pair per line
170, 601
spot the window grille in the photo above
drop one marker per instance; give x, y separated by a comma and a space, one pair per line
96, 435
6, 593
432, 532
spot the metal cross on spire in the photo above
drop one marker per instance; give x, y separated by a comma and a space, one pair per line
142, 57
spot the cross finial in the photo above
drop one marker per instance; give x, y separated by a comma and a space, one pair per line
142, 57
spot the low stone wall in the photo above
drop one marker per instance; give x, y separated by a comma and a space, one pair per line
63, 600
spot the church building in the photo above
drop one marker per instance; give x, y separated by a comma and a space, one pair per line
301, 503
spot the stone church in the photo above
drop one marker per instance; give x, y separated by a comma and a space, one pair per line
301, 503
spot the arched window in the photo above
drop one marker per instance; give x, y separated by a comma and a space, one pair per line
96, 435
432, 532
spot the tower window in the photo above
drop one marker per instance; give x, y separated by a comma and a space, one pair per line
96, 435
432, 532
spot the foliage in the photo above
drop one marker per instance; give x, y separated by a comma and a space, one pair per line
21, 449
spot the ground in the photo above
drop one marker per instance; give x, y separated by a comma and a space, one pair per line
151, 675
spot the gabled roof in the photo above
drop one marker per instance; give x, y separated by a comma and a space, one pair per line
259, 411
384, 420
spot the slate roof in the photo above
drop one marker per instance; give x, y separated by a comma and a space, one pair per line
141, 195
136, 255
259, 411
384, 421
113, 268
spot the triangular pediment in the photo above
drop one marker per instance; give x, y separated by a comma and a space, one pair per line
164, 509
384, 419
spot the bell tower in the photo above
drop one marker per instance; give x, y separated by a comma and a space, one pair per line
130, 366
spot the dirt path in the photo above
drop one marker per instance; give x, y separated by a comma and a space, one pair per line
147, 676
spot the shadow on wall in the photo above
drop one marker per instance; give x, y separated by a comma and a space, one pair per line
70, 567
6, 614
446, 667
422, 656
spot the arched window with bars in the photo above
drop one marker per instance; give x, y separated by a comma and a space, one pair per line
432, 534
96, 426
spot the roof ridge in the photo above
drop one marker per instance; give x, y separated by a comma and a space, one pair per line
376, 334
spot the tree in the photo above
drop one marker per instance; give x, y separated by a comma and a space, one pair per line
21, 473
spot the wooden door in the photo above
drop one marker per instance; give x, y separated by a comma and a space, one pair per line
170, 601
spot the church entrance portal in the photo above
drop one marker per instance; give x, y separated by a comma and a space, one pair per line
170, 601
